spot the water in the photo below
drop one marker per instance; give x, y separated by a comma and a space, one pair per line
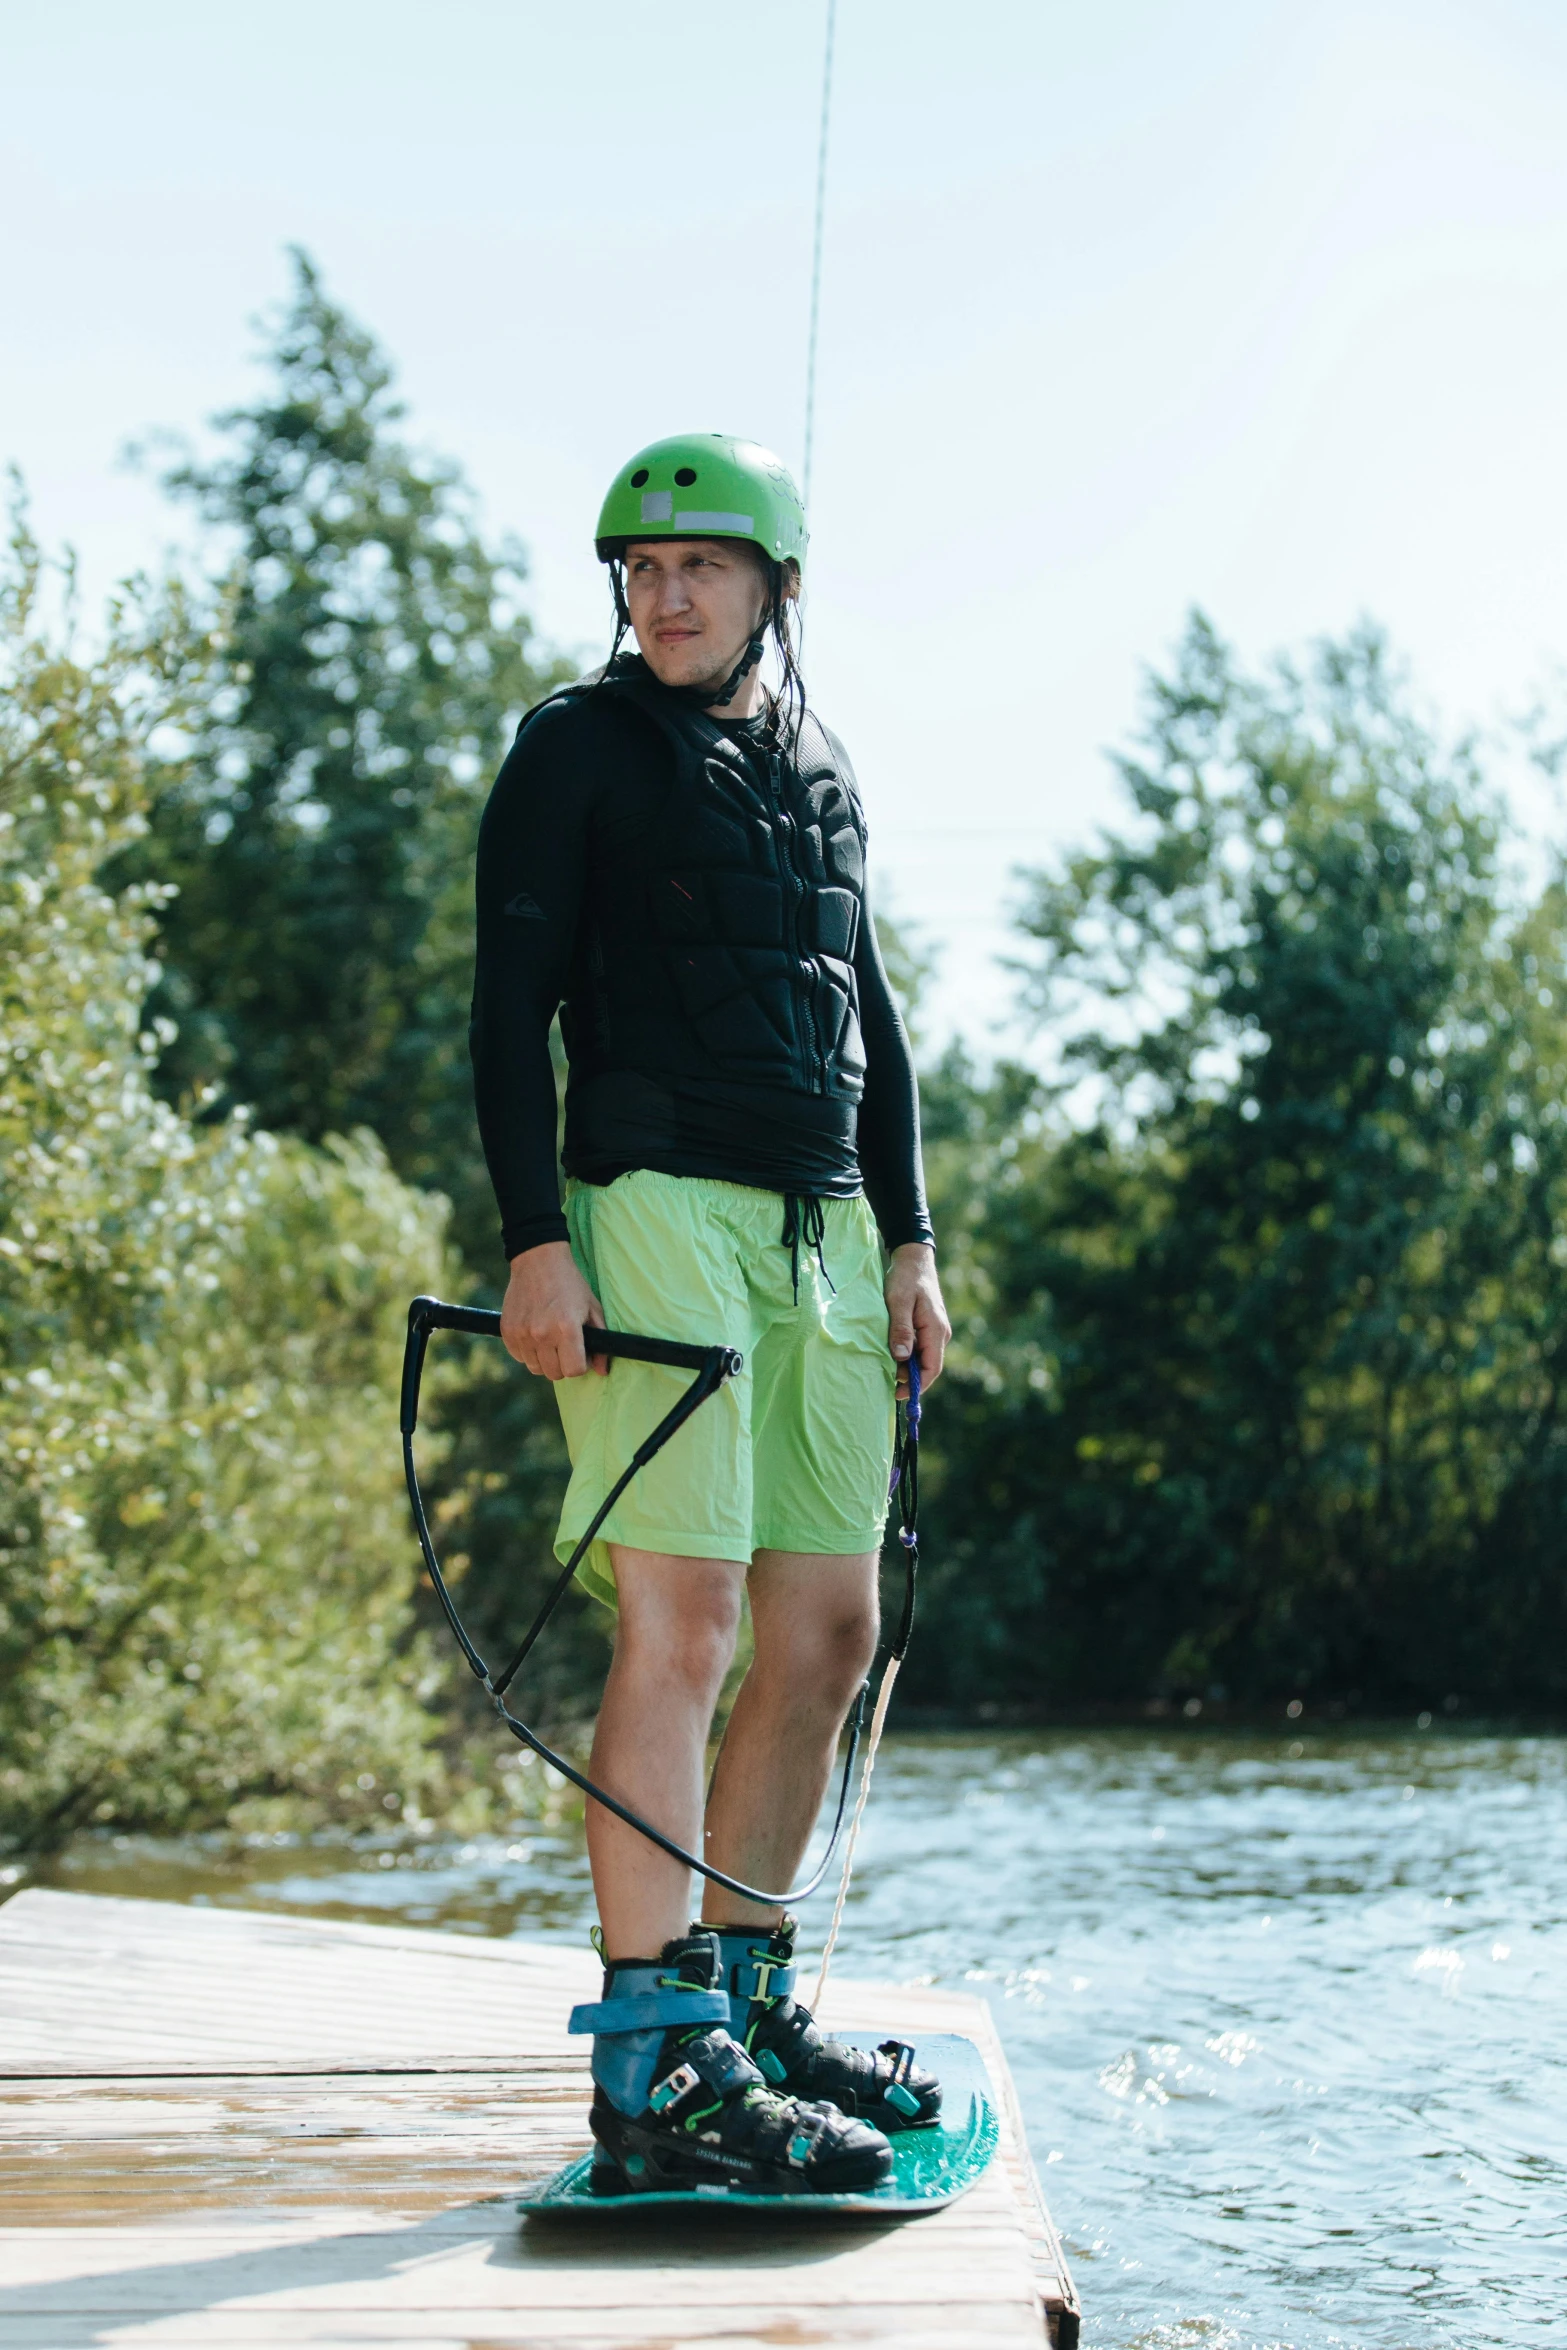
1288, 2015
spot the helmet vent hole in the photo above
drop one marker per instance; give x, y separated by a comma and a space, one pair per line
685, 477
639, 478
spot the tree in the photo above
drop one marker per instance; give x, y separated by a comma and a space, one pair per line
202, 1603
370, 660
1264, 1391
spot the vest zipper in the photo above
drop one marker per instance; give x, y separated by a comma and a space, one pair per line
807, 963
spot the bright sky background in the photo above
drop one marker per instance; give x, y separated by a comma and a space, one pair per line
1125, 307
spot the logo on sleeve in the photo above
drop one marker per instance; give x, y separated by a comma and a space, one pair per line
525, 909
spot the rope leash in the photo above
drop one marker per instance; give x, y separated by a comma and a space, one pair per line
712, 1365
906, 1486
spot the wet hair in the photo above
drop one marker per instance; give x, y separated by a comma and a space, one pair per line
784, 627
779, 621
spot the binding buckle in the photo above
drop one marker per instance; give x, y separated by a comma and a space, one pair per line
764, 1967
897, 2093
673, 2087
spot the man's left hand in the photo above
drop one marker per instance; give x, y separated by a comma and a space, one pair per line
916, 1314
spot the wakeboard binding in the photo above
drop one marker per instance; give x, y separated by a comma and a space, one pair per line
882, 2086
679, 2106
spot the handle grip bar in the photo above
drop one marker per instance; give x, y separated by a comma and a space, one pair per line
431, 1313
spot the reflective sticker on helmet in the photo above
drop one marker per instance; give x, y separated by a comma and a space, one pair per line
657, 505
745, 522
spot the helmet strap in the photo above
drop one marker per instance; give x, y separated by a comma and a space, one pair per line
622, 609
710, 697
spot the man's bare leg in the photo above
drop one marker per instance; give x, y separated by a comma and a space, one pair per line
815, 1620
674, 1640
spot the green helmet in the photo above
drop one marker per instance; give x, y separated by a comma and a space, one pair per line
704, 485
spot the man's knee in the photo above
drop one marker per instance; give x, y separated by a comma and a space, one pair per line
851, 1648
684, 1632
818, 1664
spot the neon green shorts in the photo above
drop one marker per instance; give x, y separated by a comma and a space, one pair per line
794, 1454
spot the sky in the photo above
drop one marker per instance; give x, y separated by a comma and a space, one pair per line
1125, 309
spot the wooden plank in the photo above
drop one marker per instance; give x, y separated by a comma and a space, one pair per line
221, 2126
94, 1985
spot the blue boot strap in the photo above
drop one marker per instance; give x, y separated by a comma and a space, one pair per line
650, 2011
760, 1977
751, 1969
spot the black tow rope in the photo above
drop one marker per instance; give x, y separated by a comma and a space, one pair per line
712, 1365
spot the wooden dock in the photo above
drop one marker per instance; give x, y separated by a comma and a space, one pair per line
226, 2128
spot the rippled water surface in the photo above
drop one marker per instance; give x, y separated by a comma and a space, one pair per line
1288, 2015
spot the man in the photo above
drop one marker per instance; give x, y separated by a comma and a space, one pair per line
676, 860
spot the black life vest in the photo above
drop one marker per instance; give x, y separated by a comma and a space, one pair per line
721, 932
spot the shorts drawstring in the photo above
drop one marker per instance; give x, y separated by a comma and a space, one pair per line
805, 1219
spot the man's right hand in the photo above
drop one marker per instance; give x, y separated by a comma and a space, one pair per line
546, 1304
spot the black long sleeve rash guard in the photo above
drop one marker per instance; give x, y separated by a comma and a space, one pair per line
580, 774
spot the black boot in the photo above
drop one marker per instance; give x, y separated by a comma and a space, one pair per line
678, 2105
886, 2088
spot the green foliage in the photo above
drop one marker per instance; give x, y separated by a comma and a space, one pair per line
370, 659
911, 967
1260, 1379
1259, 1297
201, 1600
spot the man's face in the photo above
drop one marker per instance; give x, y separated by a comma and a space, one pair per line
694, 606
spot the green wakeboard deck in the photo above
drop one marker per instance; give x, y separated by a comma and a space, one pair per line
929, 2167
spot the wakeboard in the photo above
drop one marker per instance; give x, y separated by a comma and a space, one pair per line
930, 2167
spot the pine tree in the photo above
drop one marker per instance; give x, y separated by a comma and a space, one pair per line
370, 660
